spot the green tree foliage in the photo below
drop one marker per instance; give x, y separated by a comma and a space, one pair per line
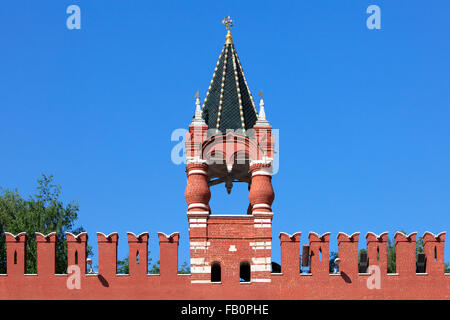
391, 256
123, 266
44, 212
185, 268
333, 256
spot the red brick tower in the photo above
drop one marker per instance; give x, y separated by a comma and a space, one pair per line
229, 142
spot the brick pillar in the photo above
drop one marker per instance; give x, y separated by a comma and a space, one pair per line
138, 246
168, 250
405, 251
319, 267
348, 253
76, 250
107, 253
264, 139
46, 253
261, 260
198, 226
290, 254
196, 136
377, 250
434, 251
16, 253
197, 192
261, 193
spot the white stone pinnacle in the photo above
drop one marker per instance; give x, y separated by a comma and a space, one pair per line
262, 115
198, 120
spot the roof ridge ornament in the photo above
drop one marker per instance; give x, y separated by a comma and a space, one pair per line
228, 23
198, 119
262, 113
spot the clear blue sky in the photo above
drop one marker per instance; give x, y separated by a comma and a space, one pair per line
363, 114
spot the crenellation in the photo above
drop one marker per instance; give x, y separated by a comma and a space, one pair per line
138, 253
46, 253
319, 254
405, 251
256, 251
107, 253
16, 253
377, 250
348, 253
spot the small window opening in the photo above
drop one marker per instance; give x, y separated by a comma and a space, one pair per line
76, 257
137, 257
15, 257
216, 275
244, 271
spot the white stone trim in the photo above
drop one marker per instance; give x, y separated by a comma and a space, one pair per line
197, 220
203, 269
261, 243
196, 205
261, 260
261, 205
201, 281
349, 236
263, 161
263, 220
197, 171
407, 236
196, 159
231, 215
261, 280
434, 235
45, 236
263, 225
260, 267
139, 235
376, 235
109, 235
198, 261
200, 243
203, 245
203, 213
198, 225
168, 236
262, 173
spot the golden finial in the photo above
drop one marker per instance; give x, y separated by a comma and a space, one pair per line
260, 94
228, 25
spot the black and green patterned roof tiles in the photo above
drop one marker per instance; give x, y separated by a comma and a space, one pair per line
228, 103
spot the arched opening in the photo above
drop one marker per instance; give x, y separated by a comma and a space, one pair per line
320, 254
76, 257
378, 253
276, 267
435, 253
15, 257
244, 271
137, 257
216, 272
229, 176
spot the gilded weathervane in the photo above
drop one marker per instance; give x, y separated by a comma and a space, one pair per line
228, 25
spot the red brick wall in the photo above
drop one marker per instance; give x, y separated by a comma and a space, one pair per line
290, 284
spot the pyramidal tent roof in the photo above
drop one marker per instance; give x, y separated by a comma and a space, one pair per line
229, 103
